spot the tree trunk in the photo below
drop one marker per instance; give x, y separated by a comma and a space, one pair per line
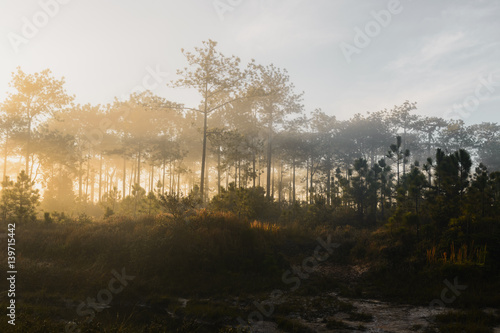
80, 179
382, 202
178, 184
105, 185
124, 176
88, 179
293, 181
152, 183
235, 175
111, 177
92, 188
258, 166
218, 170
272, 180
328, 186
173, 181
290, 185
207, 193
280, 179
254, 175
100, 178
307, 180
203, 155
397, 165
163, 179
138, 174
132, 179
5, 156
28, 140
404, 150
170, 176
269, 157
239, 173
311, 183
227, 177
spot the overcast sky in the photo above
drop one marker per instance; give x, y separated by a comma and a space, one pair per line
347, 56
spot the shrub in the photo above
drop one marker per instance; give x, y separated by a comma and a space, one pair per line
19, 200
248, 203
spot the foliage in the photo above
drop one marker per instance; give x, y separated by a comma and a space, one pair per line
19, 200
180, 207
250, 203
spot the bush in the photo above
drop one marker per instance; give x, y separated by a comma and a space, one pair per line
250, 203
19, 200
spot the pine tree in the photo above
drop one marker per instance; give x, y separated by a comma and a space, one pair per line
19, 200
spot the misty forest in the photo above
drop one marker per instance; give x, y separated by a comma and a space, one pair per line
245, 213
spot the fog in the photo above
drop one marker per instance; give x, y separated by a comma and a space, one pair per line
267, 166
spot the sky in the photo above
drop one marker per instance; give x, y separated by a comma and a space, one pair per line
347, 56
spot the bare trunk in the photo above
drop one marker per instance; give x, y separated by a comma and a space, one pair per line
170, 179
218, 170
163, 179
28, 140
311, 183
203, 155
88, 178
138, 180
152, 182
92, 188
307, 180
100, 177
269, 160
178, 184
272, 180
280, 182
124, 176
227, 178
239, 173
293, 181
173, 181
328, 186
132, 179
80, 179
6, 152
254, 173
235, 174
207, 193
258, 166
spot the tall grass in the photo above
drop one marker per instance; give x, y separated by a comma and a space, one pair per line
473, 255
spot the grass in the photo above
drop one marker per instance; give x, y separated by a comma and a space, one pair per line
472, 321
360, 316
227, 254
333, 324
210, 255
212, 258
292, 325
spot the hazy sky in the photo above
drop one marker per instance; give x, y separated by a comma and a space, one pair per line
347, 56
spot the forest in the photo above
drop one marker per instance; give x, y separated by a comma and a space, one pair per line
208, 208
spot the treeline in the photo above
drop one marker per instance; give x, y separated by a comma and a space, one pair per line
250, 130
